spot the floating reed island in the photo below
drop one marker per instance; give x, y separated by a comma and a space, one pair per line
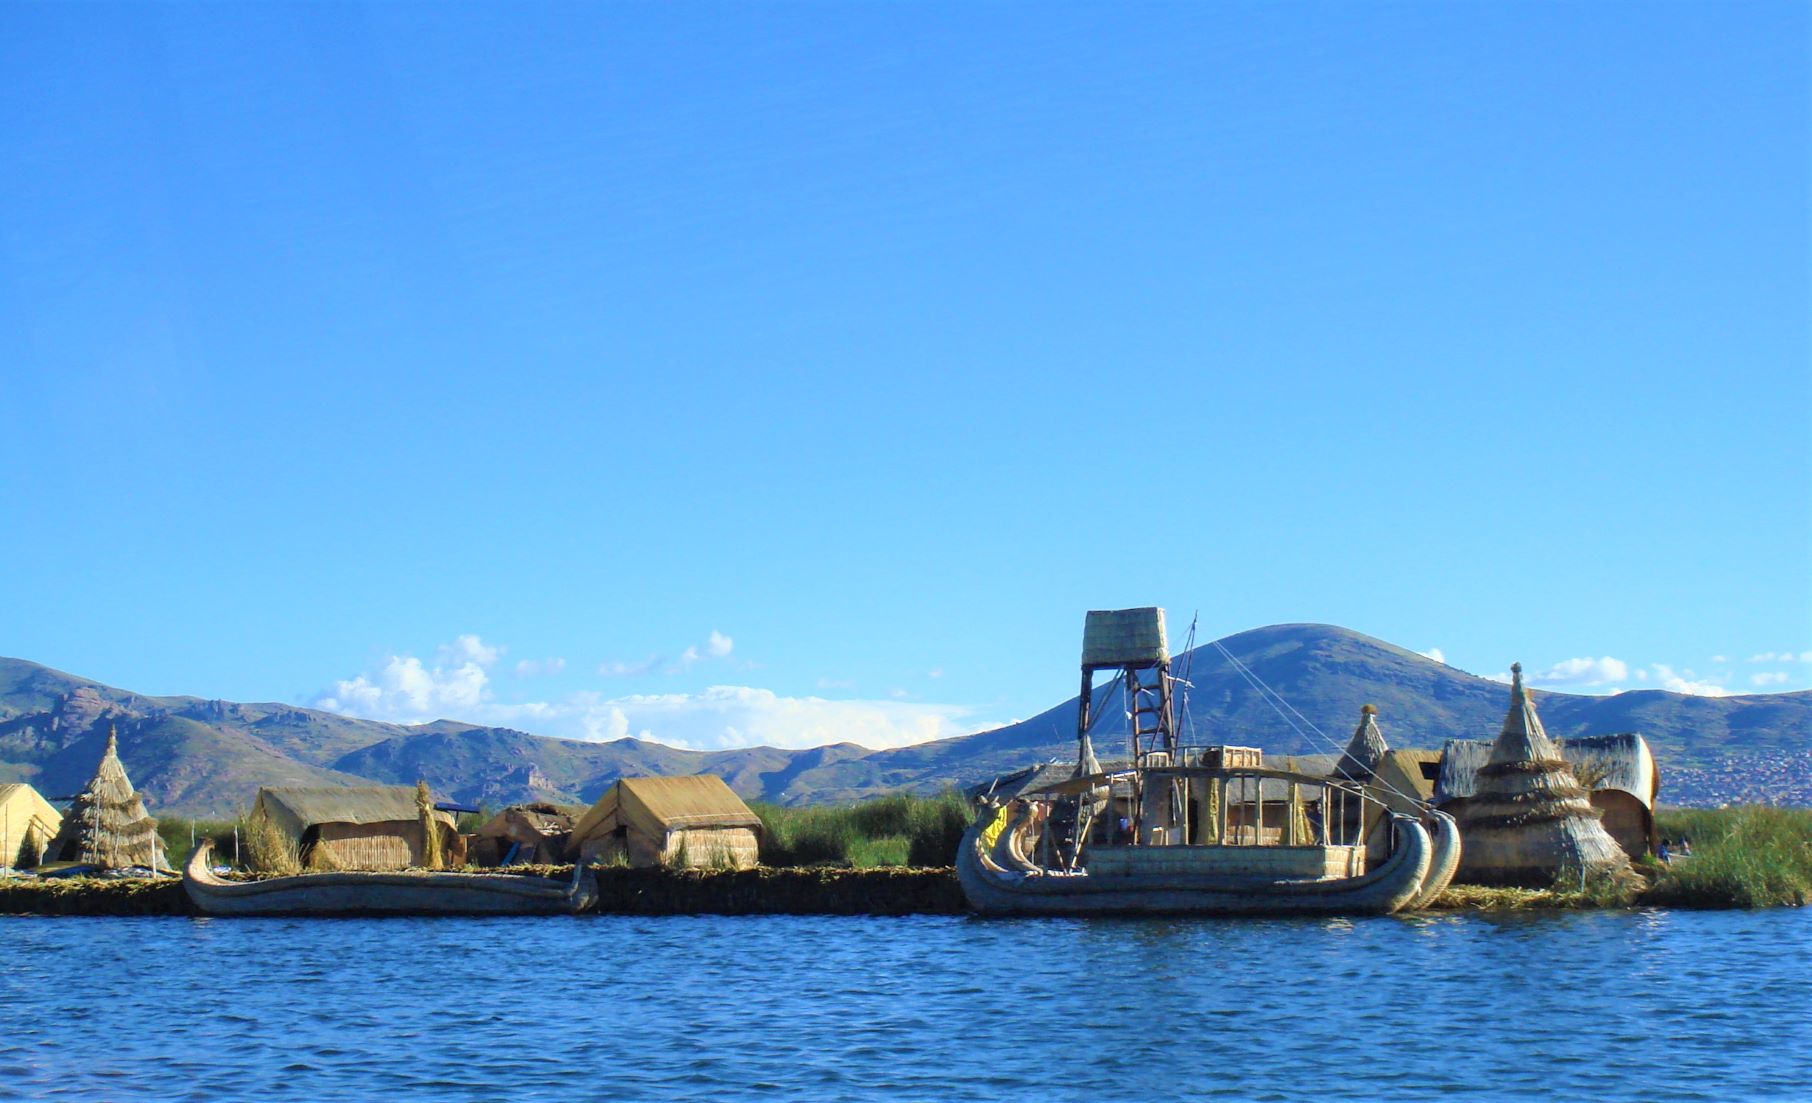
1743, 857
1541, 823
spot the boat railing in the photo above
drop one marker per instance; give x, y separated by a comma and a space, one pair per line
1310, 809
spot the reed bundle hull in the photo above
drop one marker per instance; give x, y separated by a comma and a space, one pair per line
994, 889
386, 893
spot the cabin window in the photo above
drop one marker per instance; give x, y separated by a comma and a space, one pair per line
1431, 771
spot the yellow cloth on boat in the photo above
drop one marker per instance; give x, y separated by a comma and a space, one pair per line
991, 833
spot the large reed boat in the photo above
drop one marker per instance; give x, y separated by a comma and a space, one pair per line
1209, 830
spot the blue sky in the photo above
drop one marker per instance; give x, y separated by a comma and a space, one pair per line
781, 373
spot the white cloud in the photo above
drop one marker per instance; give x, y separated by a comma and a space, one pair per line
723, 717
835, 683
1434, 653
1685, 681
470, 649
535, 668
716, 646
616, 668
407, 691
1781, 657
1768, 678
1583, 672
1720, 658
935, 672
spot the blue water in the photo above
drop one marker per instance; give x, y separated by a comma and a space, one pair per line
1605, 1006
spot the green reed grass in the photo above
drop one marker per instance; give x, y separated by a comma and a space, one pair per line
1750, 856
176, 831
897, 830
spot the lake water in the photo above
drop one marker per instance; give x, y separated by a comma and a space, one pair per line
1645, 1006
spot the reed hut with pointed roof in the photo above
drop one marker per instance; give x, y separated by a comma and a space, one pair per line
28, 823
1619, 769
364, 827
1530, 822
107, 825
693, 821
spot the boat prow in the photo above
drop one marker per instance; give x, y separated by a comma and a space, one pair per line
386, 893
1443, 864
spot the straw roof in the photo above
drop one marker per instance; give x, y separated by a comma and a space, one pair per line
1031, 779
27, 822
661, 804
107, 824
1628, 763
1365, 750
1530, 821
1416, 767
540, 818
1124, 637
295, 809
305, 807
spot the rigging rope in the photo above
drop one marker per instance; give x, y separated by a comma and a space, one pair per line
1266, 693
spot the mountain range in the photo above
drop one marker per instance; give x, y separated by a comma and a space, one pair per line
201, 757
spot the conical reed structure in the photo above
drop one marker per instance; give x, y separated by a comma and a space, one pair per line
107, 824
1365, 750
1359, 763
1531, 822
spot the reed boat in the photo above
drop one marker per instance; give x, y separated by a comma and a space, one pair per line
1204, 830
351, 893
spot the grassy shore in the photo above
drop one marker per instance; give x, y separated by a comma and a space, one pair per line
1743, 857
1746, 857
1749, 856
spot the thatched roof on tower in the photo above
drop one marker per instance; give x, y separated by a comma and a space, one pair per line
1530, 821
1365, 750
107, 824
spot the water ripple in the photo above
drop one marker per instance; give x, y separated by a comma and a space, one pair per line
1663, 1006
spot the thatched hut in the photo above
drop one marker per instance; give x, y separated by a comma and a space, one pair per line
525, 833
357, 827
1530, 821
1618, 769
1401, 781
28, 823
690, 821
107, 825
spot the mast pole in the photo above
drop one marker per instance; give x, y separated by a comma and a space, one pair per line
1082, 708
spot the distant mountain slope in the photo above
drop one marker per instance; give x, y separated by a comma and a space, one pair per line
197, 756
1326, 674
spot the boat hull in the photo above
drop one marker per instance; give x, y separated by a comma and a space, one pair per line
994, 890
355, 894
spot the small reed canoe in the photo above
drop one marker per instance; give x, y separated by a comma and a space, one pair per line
386, 893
